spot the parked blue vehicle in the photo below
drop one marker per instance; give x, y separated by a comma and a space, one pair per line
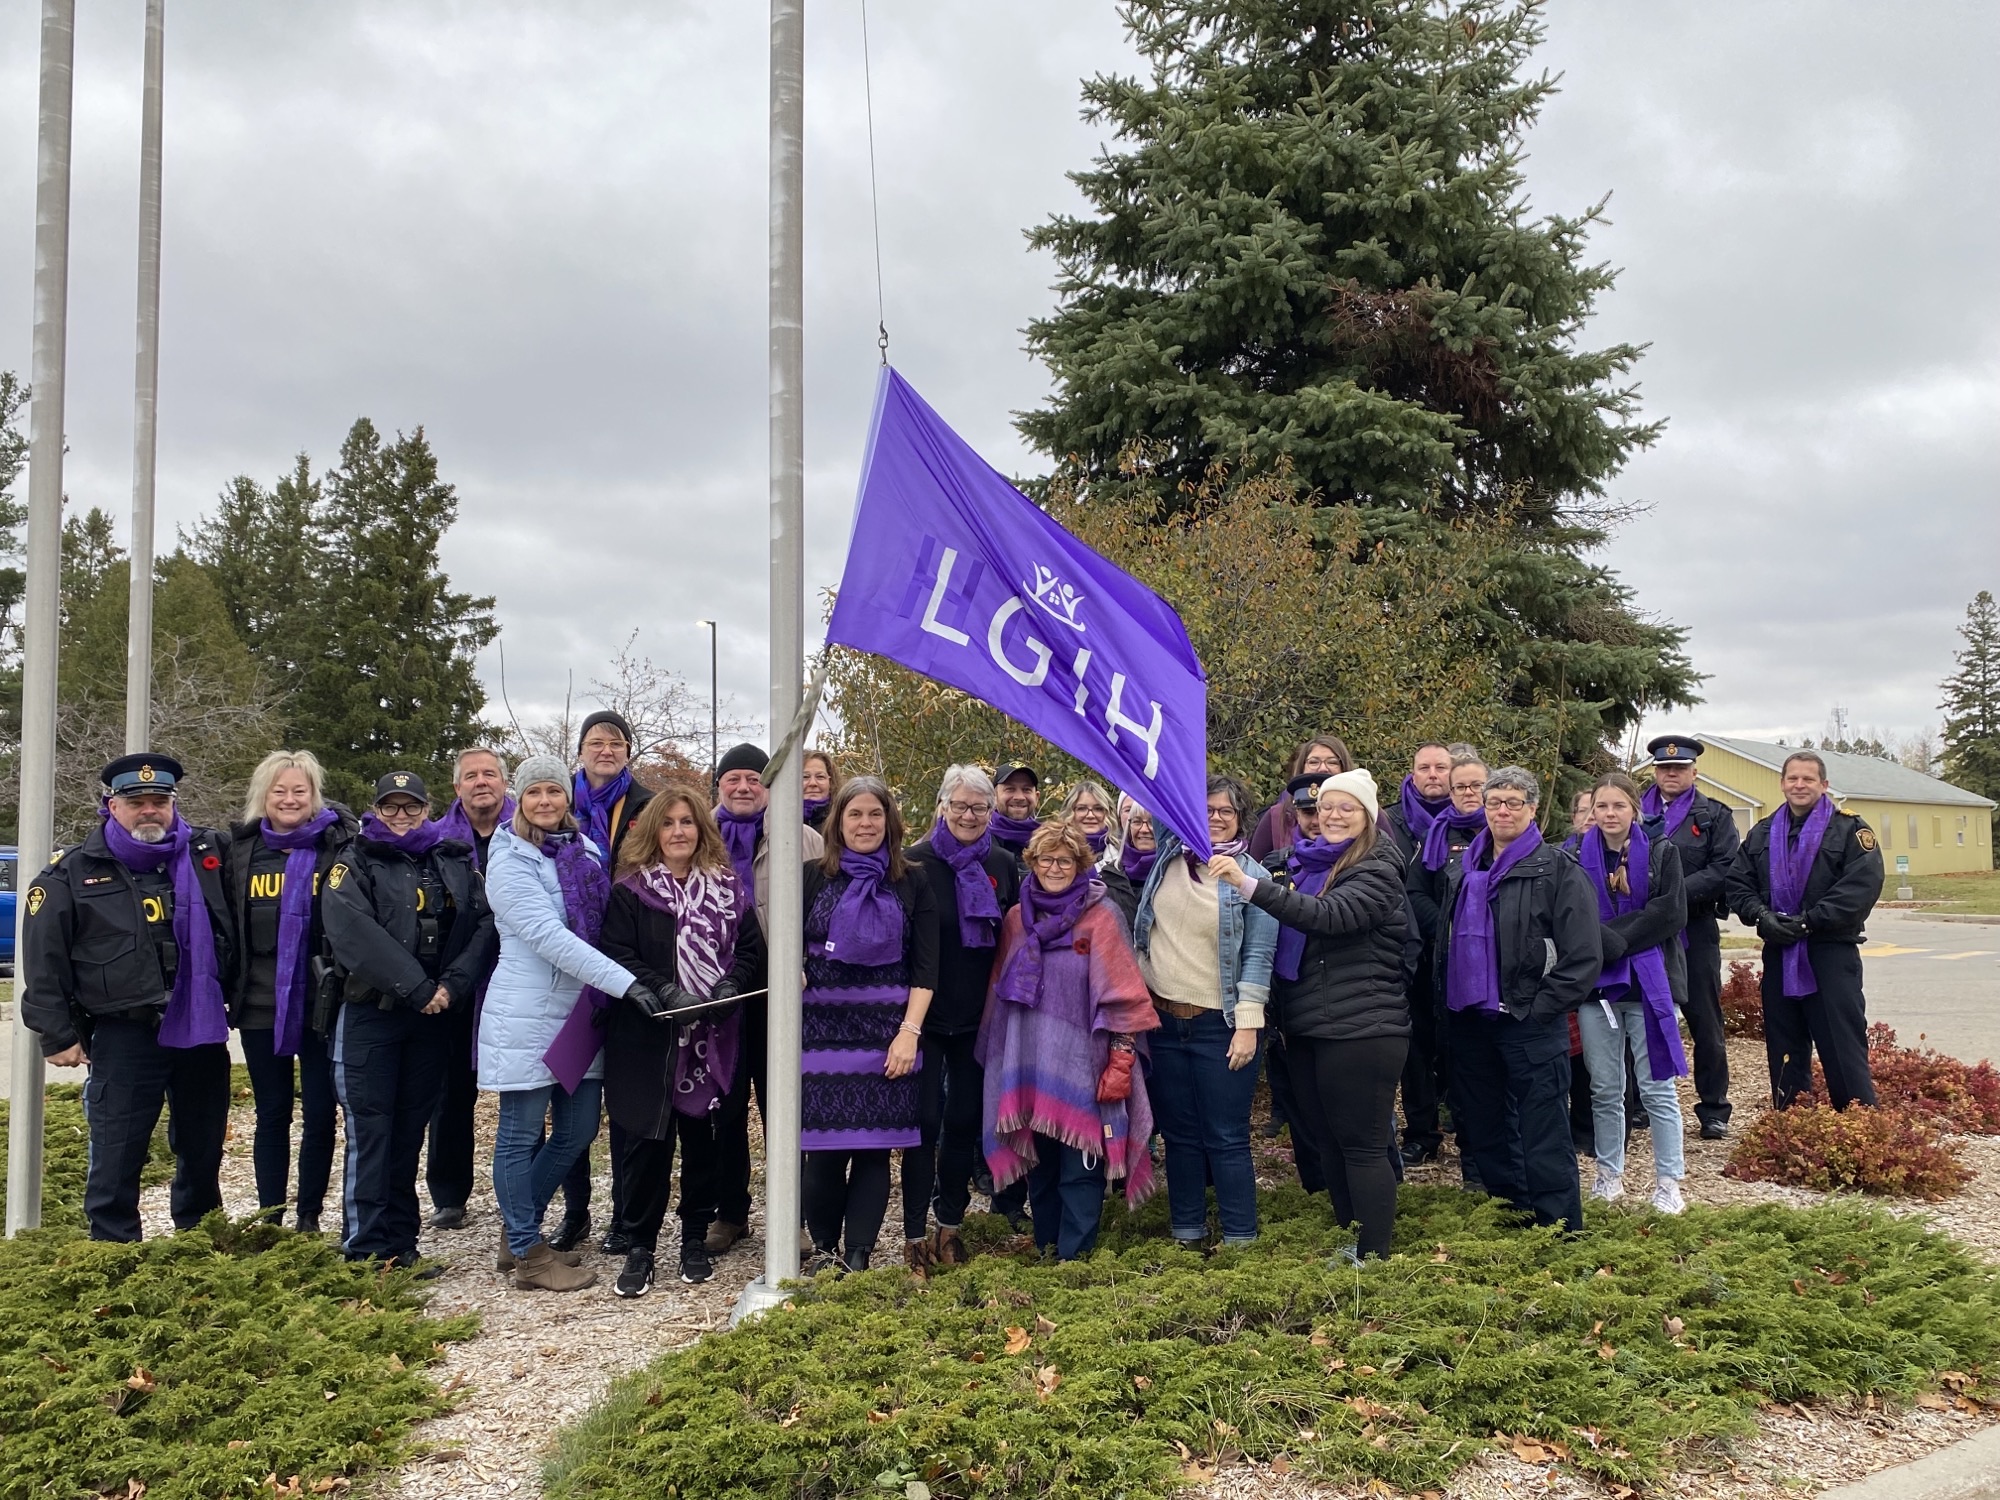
9, 860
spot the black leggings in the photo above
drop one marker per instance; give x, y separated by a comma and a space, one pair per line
836, 1198
1347, 1092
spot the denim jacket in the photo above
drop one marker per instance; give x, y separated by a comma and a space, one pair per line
1247, 937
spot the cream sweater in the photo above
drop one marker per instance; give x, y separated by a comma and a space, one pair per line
1183, 962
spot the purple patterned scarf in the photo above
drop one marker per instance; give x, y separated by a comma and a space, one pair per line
418, 842
196, 1015
867, 925
1472, 980
707, 908
1315, 858
1046, 922
456, 825
1671, 814
1013, 832
1647, 969
1791, 867
978, 902
740, 832
301, 850
1419, 811
1437, 838
594, 807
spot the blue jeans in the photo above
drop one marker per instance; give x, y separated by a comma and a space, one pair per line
1065, 1198
1603, 1055
528, 1168
1202, 1109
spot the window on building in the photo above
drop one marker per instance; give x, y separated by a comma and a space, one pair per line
1913, 831
1888, 833
1961, 830
1937, 833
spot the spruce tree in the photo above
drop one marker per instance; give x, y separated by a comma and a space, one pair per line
1310, 252
260, 548
1972, 705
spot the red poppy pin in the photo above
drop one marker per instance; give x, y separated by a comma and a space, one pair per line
1083, 943
210, 862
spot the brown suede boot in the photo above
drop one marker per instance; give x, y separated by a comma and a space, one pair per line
919, 1258
949, 1248
541, 1269
504, 1260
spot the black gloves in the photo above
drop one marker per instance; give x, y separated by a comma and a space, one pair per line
1773, 927
652, 1004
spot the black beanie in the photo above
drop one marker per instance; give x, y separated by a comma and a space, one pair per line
744, 757
605, 716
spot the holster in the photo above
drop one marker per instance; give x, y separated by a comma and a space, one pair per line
326, 987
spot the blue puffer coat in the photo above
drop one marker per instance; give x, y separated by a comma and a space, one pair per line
543, 967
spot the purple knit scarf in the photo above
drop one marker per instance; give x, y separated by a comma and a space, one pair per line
1315, 858
1419, 812
1234, 848
418, 842
196, 1015
301, 850
456, 825
978, 902
1046, 922
866, 929
1137, 863
740, 832
1647, 969
594, 806
1671, 814
1013, 832
707, 908
1791, 866
1437, 838
1472, 980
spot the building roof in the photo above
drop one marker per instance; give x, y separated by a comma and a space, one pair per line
1863, 776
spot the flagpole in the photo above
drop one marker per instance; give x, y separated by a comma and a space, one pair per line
786, 939
38, 669
145, 386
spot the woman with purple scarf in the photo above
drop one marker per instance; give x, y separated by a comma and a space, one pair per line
541, 1030
682, 920
819, 779
1642, 905
1124, 873
871, 950
279, 856
1322, 755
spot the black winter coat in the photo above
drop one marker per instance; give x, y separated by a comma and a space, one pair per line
1545, 929
1427, 887
1708, 842
246, 843
1123, 892
1350, 984
963, 973
369, 906
1658, 923
639, 1052
1842, 887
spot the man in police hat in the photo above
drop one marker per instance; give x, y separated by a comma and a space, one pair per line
1704, 831
126, 946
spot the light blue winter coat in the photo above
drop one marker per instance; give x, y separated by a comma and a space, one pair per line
543, 967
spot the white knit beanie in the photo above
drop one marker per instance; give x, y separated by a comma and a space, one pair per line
1359, 785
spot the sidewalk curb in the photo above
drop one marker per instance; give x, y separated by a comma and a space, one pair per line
1967, 1470
1970, 918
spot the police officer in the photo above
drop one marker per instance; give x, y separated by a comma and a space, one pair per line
409, 929
1704, 831
127, 947
1806, 879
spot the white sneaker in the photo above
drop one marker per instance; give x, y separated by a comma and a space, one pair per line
1608, 1188
1667, 1196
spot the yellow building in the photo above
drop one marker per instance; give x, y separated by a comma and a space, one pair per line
1938, 827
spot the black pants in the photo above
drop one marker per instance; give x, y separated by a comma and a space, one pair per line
1835, 1020
576, 1188
646, 1169
950, 1092
1305, 1149
732, 1124
388, 1070
1423, 1086
1513, 1079
272, 1086
1347, 1092
846, 1198
131, 1077
448, 1168
1704, 1017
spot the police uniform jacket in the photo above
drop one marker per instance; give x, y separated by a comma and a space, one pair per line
1707, 842
1658, 923
374, 929
253, 990
1841, 888
1545, 930
94, 935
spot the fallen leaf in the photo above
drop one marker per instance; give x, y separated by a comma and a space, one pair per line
1606, 1351
791, 1418
1281, 1465
1932, 1401
1364, 1369
1597, 1328
1674, 1326
141, 1380
134, 1489
1533, 1450
1143, 1382
1047, 1378
1604, 1270
1368, 1410
236, 1443
1018, 1340
396, 1361
1307, 1435
1440, 1255
1223, 1429
1798, 1287
1956, 1380
1336, 1363
1319, 1340
1044, 1325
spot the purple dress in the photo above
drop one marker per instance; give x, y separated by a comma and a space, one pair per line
850, 1016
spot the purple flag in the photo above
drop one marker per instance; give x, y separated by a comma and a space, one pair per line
956, 574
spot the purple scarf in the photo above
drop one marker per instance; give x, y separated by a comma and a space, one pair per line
1046, 922
740, 832
301, 850
814, 807
1137, 863
1315, 859
978, 902
418, 842
456, 825
707, 909
196, 1015
1791, 866
1098, 840
1234, 848
1671, 814
1437, 838
1472, 980
1419, 812
1647, 970
593, 809
867, 925
1013, 832
586, 891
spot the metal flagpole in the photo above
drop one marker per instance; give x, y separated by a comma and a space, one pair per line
714, 702
146, 384
38, 685
782, 826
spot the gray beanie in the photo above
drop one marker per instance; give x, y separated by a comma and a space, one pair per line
540, 768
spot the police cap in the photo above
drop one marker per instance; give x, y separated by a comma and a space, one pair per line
1010, 769
1303, 791
140, 773
1674, 750
402, 784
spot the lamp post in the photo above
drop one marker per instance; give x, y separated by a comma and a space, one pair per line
714, 702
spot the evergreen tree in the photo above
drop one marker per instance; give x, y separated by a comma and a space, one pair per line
261, 550
1312, 254
390, 679
1972, 705
13, 461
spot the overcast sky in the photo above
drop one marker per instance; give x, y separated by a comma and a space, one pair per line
538, 230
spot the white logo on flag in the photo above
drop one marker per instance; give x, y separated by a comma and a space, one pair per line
1057, 599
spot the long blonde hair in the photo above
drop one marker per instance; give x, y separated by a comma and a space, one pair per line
303, 761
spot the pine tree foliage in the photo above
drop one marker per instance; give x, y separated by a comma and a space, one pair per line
1972, 704
1311, 246
13, 462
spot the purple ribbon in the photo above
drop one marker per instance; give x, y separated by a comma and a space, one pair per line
1045, 922
740, 832
1315, 858
301, 850
1647, 968
593, 808
978, 902
196, 1015
1472, 980
418, 842
867, 925
1419, 812
1437, 838
1792, 859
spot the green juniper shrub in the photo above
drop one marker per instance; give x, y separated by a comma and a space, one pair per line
66, 1156
1639, 1345
1742, 1001
1890, 1150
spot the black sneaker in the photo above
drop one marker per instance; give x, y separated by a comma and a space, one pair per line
449, 1218
615, 1242
307, 1224
637, 1278
1714, 1130
695, 1267
575, 1230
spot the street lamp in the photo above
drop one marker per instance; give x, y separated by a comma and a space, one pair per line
714, 710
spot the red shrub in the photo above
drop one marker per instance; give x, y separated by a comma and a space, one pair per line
1886, 1151
1962, 1097
1742, 1001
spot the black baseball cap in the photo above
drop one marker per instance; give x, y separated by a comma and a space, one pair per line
402, 784
1012, 769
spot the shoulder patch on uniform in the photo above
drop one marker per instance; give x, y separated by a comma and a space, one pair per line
56, 858
1865, 837
334, 876
36, 896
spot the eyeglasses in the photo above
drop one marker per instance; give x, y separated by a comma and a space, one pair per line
968, 809
1506, 804
1055, 862
1467, 786
1215, 813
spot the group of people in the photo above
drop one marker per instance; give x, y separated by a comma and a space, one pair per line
1015, 1004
